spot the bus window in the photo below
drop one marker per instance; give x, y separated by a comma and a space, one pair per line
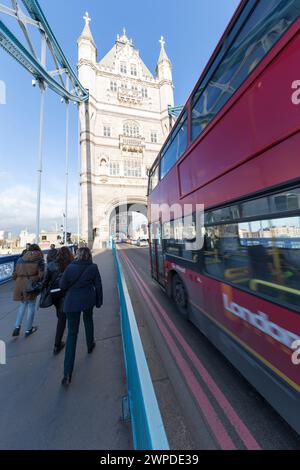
175, 147
287, 202
177, 234
157, 254
262, 256
154, 179
265, 26
275, 204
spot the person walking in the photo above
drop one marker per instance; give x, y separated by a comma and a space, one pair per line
52, 253
82, 283
30, 267
26, 249
54, 272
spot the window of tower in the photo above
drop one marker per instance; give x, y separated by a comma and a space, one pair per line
131, 129
133, 70
133, 169
114, 168
106, 131
154, 137
113, 86
123, 67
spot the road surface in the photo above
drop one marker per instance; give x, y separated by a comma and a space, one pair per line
205, 402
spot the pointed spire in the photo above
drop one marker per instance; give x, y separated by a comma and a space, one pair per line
87, 18
162, 42
123, 39
163, 56
86, 33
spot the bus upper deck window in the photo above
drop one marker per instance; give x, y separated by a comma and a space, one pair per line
261, 31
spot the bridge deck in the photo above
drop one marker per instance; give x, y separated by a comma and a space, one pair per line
36, 412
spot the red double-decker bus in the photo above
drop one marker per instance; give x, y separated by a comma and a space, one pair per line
236, 149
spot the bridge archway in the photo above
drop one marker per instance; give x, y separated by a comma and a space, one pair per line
122, 219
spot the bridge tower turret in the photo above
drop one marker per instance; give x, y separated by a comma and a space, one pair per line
87, 72
87, 56
165, 78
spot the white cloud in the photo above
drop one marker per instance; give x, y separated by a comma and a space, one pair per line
18, 209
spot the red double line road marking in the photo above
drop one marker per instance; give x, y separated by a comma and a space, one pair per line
208, 411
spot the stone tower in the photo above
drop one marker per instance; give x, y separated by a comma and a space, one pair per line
123, 127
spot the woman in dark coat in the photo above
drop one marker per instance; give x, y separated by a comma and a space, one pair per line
55, 270
82, 283
30, 267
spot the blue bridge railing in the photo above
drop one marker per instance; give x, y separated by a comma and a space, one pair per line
147, 425
8, 265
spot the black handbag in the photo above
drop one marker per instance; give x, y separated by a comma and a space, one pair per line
46, 299
51, 293
33, 287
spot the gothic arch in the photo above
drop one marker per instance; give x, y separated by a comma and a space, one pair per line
119, 215
103, 160
113, 204
131, 128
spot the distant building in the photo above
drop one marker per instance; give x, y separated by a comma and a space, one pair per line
26, 237
3, 235
272, 232
50, 238
46, 238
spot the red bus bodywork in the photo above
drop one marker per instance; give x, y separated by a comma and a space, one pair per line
251, 146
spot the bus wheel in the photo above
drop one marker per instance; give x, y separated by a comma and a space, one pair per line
179, 295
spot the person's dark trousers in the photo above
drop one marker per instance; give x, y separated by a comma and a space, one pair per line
61, 322
73, 328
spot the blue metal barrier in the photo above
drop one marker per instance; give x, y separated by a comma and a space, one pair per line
147, 425
8, 265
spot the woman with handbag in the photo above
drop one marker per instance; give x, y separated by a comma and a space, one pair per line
82, 283
54, 272
27, 276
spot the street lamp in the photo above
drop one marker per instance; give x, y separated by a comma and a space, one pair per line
62, 231
65, 229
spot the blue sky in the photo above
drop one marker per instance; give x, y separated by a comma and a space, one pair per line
191, 29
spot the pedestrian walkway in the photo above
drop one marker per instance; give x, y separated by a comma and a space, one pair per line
36, 412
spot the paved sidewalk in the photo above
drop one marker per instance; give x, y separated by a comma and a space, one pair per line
36, 412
